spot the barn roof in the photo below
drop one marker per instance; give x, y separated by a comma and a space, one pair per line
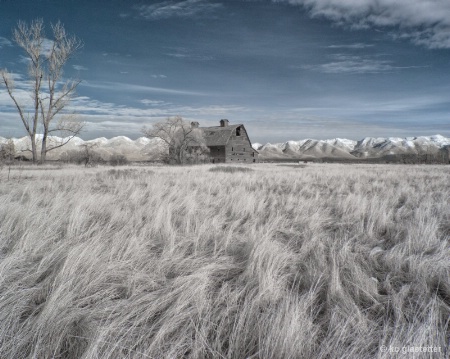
218, 136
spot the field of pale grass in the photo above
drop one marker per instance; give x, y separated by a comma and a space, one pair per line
282, 261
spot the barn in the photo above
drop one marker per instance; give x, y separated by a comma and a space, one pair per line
228, 143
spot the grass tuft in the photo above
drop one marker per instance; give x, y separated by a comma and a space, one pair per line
230, 169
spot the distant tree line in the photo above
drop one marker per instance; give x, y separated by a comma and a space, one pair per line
89, 157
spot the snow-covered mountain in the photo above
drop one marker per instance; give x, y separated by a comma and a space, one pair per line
143, 148
339, 148
377, 147
137, 150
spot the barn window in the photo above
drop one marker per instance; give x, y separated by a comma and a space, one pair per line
232, 149
253, 154
238, 131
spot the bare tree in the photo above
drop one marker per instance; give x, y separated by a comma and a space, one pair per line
7, 151
88, 153
179, 138
50, 93
7, 155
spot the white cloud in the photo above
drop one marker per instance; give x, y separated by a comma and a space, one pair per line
118, 86
361, 107
156, 76
180, 52
4, 42
80, 68
90, 108
192, 57
186, 9
22, 97
350, 46
425, 22
24, 59
148, 102
21, 88
16, 76
47, 46
356, 65
184, 53
182, 56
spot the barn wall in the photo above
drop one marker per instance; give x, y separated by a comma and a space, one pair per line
239, 149
217, 154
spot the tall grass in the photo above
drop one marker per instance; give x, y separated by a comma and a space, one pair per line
327, 261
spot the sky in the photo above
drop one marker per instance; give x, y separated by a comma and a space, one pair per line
286, 69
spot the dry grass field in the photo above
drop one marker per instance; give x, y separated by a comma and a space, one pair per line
279, 261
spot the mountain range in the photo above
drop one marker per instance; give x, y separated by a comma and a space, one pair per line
134, 150
337, 149
367, 148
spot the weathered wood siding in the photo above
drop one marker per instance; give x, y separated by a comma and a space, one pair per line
217, 154
239, 149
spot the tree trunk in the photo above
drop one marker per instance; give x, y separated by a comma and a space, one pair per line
44, 146
33, 147
180, 156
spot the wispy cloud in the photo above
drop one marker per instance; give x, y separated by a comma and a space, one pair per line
197, 57
148, 102
22, 96
184, 53
183, 9
110, 118
4, 42
350, 46
425, 22
47, 46
356, 65
21, 88
158, 76
155, 108
24, 59
118, 86
80, 68
46, 49
361, 106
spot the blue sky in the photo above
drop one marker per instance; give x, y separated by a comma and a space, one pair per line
287, 69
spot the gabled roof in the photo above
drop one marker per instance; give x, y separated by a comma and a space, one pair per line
217, 135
